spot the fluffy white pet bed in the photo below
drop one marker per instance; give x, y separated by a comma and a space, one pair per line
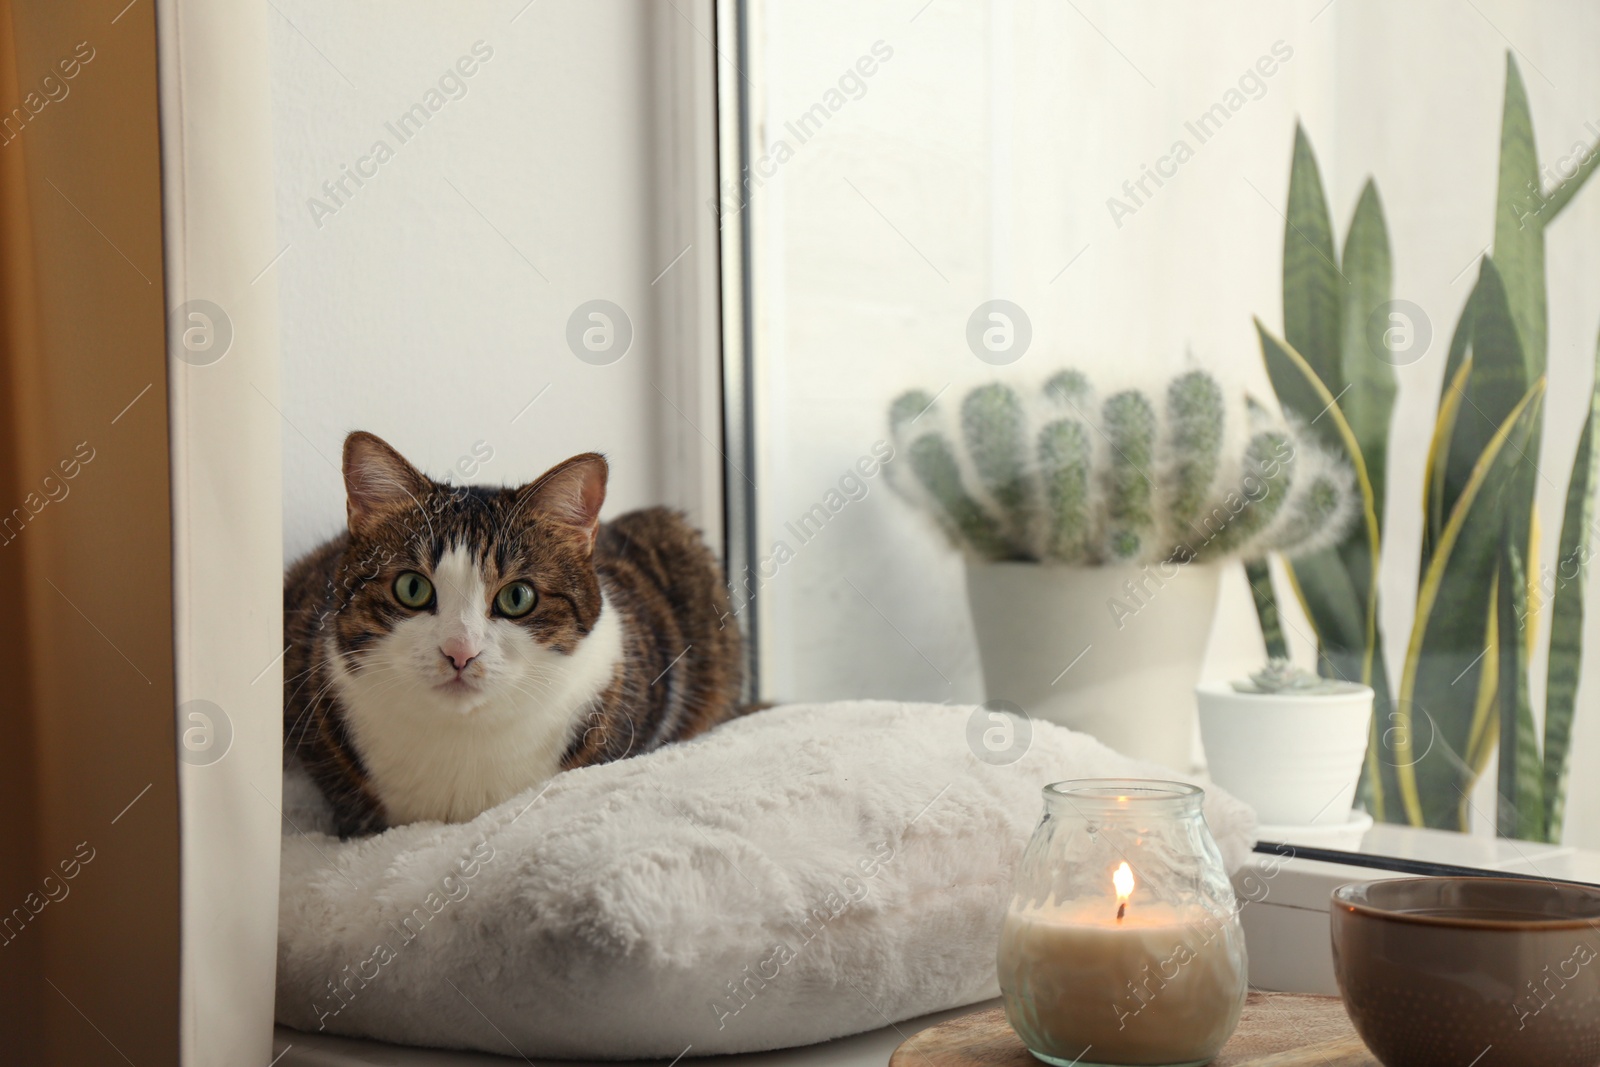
803, 873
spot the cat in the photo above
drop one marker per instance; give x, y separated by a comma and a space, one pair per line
460, 645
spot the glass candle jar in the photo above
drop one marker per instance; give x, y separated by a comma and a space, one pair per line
1122, 944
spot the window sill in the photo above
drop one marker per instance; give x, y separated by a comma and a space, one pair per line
1285, 913
1286, 931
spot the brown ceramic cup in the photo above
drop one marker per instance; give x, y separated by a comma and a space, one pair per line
1471, 972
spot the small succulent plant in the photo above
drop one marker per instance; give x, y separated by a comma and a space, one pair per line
1281, 676
1055, 475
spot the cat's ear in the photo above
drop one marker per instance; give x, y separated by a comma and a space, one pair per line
377, 479
570, 493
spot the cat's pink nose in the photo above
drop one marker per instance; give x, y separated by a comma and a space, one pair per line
460, 652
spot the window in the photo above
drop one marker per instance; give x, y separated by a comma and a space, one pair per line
1119, 175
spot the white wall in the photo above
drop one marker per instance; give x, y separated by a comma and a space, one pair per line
978, 163
431, 305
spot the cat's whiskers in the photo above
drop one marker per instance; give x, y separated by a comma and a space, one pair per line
548, 693
386, 687
541, 672
300, 674
332, 681
305, 676
548, 678
310, 709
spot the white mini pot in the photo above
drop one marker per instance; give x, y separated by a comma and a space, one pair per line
1112, 651
1294, 757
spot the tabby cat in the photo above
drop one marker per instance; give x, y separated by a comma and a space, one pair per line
459, 645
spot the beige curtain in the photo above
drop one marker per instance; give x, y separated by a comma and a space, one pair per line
88, 799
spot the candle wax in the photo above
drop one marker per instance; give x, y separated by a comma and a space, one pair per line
1164, 985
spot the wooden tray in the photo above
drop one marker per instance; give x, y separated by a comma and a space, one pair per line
1276, 1030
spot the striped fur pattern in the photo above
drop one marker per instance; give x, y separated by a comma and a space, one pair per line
420, 684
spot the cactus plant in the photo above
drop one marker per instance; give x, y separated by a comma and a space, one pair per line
1463, 688
936, 469
1065, 455
1195, 407
1070, 388
1130, 429
1269, 469
908, 408
1049, 476
994, 433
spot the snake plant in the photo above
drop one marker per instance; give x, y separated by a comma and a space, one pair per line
1463, 687
1056, 475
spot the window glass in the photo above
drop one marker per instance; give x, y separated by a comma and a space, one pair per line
946, 194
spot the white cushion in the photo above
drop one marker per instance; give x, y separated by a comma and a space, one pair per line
799, 874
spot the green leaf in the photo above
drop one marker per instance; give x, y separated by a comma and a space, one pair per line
1368, 401
1487, 373
1312, 286
1520, 812
1322, 585
1518, 228
1563, 193
1336, 613
1379, 788
1449, 638
1484, 736
1461, 339
1566, 617
1259, 574
1304, 395
1494, 386
1339, 586
1434, 512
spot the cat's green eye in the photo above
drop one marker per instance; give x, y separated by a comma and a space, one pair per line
413, 590
515, 600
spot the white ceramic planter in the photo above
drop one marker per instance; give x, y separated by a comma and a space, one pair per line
1112, 651
1295, 758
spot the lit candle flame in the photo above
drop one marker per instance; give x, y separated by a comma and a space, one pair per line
1122, 880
